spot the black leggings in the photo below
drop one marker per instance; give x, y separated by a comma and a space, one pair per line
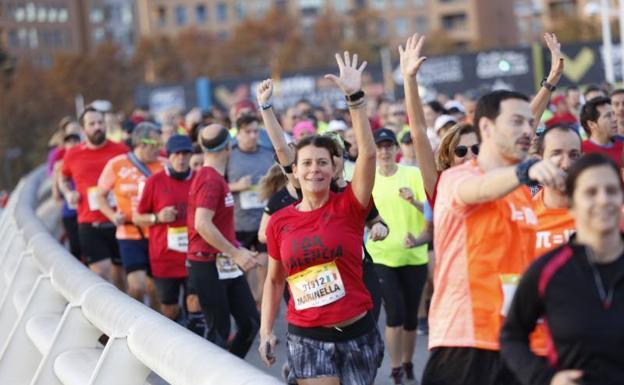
401, 289
219, 299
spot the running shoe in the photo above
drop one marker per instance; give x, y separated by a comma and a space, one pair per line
408, 369
397, 376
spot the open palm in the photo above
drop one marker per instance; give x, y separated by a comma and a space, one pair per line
556, 57
410, 57
350, 78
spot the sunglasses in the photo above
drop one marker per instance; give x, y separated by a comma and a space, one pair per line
151, 142
461, 151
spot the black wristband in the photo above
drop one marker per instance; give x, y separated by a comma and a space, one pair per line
355, 97
544, 83
522, 172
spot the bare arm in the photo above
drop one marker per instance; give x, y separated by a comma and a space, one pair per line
410, 64
105, 208
423, 238
350, 82
541, 100
211, 234
271, 298
264, 221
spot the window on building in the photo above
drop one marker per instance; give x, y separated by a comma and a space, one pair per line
96, 16
161, 16
201, 14
13, 39
98, 35
421, 24
62, 15
239, 9
340, 6
33, 38
310, 7
378, 4
31, 12
20, 14
42, 14
400, 26
180, 14
455, 21
222, 12
382, 28
262, 6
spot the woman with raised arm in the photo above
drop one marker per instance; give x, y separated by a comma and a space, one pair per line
411, 61
316, 245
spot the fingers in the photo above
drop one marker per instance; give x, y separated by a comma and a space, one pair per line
419, 43
333, 78
347, 59
401, 51
340, 62
354, 60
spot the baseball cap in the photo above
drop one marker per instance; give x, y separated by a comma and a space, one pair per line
178, 143
385, 135
454, 106
303, 127
442, 121
337, 125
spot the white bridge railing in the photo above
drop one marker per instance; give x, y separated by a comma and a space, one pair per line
53, 311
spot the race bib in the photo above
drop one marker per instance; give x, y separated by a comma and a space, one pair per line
92, 199
509, 284
249, 200
316, 286
226, 268
177, 239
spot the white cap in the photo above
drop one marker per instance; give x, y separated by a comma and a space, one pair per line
102, 105
337, 125
442, 120
454, 104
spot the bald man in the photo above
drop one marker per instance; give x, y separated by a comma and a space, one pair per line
216, 262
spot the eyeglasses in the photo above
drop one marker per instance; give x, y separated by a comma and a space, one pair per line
461, 151
151, 142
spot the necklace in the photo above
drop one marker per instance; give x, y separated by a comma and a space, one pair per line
606, 297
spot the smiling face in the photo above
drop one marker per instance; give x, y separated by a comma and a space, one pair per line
562, 147
314, 169
597, 200
467, 141
386, 153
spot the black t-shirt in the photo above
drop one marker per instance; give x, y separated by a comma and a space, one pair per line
278, 201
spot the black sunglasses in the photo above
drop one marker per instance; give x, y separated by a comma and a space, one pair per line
461, 151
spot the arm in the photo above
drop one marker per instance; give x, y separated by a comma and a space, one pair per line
285, 154
271, 297
541, 100
56, 173
410, 64
350, 82
106, 209
240, 185
211, 234
499, 182
423, 238
407, 194
264, 221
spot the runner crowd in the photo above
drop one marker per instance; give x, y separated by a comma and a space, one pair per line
337, 211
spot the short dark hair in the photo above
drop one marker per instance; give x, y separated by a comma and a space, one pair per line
570, 89
488, 105
436, 107
562, 127
319, 141
594, 88
86, 111
585, 162
589, 112
246, 120
617, 91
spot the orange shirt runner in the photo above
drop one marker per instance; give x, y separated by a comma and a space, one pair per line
555, 226
127, 181
482, 250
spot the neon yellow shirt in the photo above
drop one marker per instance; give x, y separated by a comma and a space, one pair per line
400, 216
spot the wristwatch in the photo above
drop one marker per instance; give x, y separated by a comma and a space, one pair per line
355, 97
266, 106
154, 218
547, 85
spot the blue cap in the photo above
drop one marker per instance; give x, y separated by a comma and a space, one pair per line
178, 143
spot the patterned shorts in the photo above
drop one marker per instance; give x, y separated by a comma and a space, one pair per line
354, 362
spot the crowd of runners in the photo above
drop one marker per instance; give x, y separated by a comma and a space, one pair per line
491, 224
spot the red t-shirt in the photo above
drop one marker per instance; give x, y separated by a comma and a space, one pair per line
84, 165
614, 152
162, 191
331, 233
210, 190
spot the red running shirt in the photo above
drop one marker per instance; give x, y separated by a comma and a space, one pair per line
300, 240
84, 165
162, 191
614, 152
210, 190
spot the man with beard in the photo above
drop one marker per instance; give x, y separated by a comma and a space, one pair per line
83, 164
484, 239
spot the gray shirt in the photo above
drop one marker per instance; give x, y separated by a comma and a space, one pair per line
247, 209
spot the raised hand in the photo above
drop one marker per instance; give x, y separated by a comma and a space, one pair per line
264, 91
350, 78
556, 57
410, 56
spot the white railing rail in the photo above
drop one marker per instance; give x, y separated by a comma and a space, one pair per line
53, 311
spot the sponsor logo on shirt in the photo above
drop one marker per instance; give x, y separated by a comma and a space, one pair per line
311, 249
546, 239
229, 200
522, 214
